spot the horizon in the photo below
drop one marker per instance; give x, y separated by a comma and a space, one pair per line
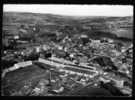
72, 10
62, 15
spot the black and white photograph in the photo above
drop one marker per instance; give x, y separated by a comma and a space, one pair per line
67, 50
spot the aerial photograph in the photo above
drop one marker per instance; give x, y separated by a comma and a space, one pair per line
67, 50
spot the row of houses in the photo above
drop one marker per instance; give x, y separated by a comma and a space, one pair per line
71, 69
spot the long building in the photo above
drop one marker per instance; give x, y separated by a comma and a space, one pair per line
66, 62
70, 69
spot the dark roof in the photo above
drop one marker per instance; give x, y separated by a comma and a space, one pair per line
60, 53
113, 90
105, 61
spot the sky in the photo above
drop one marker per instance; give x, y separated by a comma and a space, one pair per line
72, 10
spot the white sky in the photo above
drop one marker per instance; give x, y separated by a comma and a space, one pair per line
72, 10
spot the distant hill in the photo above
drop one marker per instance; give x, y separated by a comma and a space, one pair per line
119, 26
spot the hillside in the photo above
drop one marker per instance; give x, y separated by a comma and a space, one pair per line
119, 26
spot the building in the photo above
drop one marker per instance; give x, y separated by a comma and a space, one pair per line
16, 37
23, 64
38, 49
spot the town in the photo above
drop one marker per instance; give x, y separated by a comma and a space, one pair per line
81, 62
66, 60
